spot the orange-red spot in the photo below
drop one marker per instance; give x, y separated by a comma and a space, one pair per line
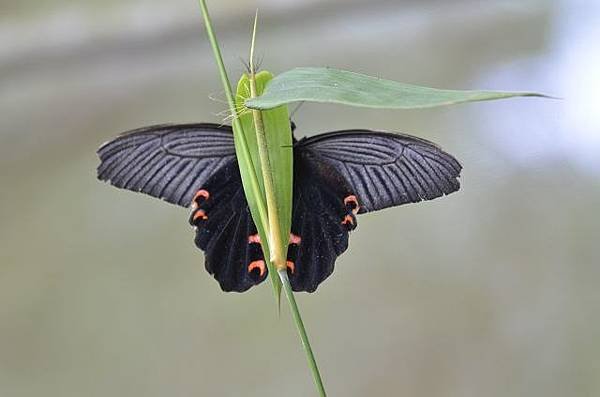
260, 264
254, 238
204, 194
200, 214
290, 265
348, 220
295, 239
352, 200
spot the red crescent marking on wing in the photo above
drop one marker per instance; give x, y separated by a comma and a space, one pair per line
254, 238
295, 239
260, 264
290, 265
204, 194
348, 220
354, 202
200, 214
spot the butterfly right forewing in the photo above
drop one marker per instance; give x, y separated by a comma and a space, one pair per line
387, 169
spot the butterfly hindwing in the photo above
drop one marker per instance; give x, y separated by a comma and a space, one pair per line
319, 233
226, 233
387, 169
170, 162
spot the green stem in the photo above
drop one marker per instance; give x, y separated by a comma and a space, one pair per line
312, 363
262, 208
276, 244
242, 150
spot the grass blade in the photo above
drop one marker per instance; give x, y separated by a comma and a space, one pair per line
277, 133
250, 181
312, 363
275, 126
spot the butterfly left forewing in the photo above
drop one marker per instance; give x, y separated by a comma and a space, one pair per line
168, 161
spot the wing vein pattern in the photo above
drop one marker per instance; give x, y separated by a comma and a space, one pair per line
170, 162
387, 169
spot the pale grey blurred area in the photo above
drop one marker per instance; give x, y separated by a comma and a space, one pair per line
492, 291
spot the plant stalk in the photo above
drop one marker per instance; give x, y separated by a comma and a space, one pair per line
276, 245
310, 357
231, 102
244, 156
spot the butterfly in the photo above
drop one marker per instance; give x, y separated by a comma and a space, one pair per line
337, 175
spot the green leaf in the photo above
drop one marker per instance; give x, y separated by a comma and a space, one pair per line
329, 85
278, 136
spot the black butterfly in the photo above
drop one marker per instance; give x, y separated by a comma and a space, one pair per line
337, 175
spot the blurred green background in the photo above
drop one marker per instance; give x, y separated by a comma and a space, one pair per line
492, 291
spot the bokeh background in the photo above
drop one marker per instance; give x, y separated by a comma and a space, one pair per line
492, 291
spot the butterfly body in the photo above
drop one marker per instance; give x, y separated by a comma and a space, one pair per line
336, 176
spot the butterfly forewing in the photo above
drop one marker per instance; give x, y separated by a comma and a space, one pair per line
387, 169
170, 162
